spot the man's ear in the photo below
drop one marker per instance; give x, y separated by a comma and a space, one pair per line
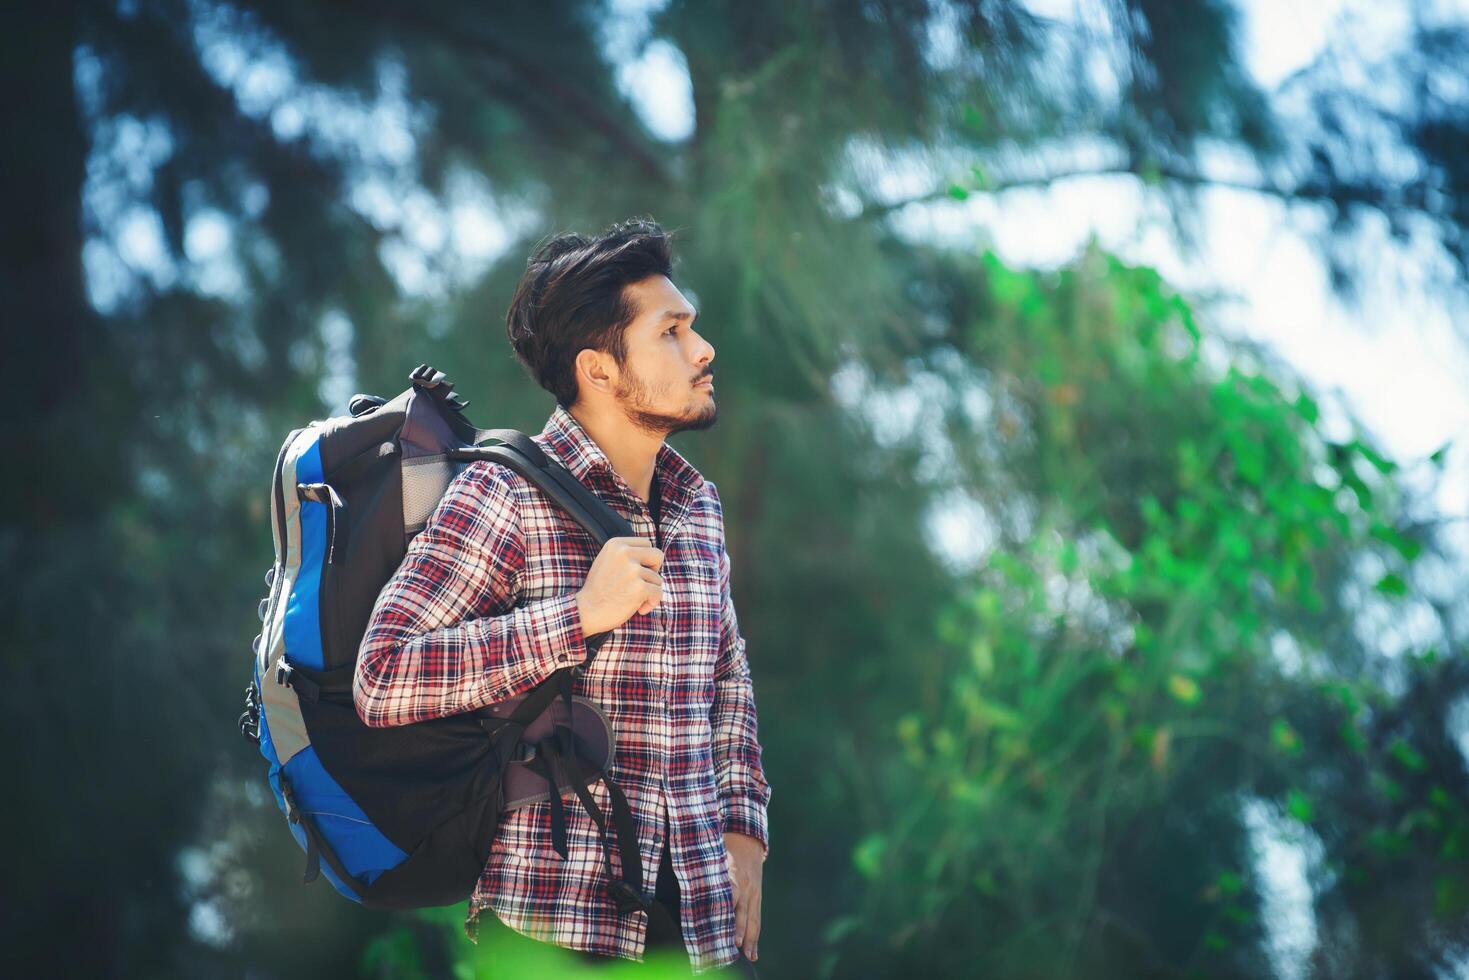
594, 370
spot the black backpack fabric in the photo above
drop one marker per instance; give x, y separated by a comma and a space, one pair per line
403, 817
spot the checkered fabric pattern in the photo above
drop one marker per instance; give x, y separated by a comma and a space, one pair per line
483, 608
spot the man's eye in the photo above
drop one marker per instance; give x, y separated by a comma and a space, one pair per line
670, 330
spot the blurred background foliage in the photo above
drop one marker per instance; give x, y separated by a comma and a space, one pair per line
1183, 623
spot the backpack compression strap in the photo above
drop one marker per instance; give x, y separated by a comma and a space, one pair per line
559, 752
626, 892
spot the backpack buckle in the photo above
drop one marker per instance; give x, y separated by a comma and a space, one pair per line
250, 717
427, 377
293, 815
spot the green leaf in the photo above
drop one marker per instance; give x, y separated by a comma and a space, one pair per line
1284, 736
1450, 895
1392, 584
1386, 841
1238, 913
1379, 462
1299, 806
1352, 736
982, 655
1405, 546
1387, 786
1067, 559
394, 954
1185, 689
997, 715
1249, 457
1408, 756
840, 927
1229, 882
867, 855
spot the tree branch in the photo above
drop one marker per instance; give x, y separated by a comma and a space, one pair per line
568, 97
1371, 195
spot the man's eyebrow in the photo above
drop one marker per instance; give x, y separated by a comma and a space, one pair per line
675, 315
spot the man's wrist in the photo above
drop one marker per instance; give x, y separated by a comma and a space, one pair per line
581, 612
756, 845
745, 817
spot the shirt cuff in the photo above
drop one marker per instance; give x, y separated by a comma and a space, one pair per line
555, 630
743, 815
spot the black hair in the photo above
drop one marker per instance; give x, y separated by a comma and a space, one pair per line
571, 297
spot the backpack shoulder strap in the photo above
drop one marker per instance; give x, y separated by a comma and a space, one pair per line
517, 451
521, 454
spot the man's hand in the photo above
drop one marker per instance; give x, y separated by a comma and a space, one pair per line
744, 856
624, 581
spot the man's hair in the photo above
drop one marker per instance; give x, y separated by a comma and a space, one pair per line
571, 297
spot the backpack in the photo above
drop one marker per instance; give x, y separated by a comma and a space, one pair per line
403, 817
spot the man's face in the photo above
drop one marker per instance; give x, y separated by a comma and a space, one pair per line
658, 386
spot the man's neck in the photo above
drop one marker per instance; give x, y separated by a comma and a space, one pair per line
631, 451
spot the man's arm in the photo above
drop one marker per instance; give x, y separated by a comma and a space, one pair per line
744, 793
443, 637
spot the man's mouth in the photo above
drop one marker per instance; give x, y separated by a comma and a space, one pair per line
709, 381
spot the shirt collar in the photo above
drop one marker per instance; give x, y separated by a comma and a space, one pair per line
678, 481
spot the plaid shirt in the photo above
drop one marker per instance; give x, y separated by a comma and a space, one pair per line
483, 608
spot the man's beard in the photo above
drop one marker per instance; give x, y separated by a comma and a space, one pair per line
632, 396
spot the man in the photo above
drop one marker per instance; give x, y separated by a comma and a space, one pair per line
502, 588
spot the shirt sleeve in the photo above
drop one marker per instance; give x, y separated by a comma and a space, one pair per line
744, 793
448, 633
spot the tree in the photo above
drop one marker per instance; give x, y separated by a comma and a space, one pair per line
222, 217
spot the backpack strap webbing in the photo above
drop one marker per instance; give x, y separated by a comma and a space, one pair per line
625, 891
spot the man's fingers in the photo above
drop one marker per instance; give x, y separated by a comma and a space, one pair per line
741, 917
752, 930
646, 555
641, 548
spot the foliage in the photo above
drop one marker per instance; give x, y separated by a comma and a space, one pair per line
1162, 638
218, 222
499, 952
